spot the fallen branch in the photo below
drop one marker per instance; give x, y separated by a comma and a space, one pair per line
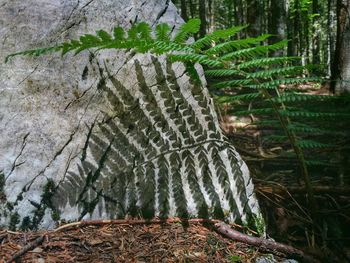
26, 248
145, 221
133, 222
262, 243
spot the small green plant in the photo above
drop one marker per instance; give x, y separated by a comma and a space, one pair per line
234, 258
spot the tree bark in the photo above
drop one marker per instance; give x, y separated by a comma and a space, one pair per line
184, 10
211, 9
277, 23
203, 18
315, 33
192, 8
254, 17
331, 36
341, 64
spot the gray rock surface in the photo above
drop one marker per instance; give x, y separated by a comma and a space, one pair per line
269, 259
109, 135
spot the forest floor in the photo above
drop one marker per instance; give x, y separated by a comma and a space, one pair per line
168, 242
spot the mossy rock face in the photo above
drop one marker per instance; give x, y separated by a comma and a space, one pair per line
110, 135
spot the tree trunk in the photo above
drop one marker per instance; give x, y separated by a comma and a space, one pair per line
316, 41
331, 36
184, 10
254, 17
341, 64
192, 8
203, 18
277, 22
95, 137
211, 9
291, 34
240, 16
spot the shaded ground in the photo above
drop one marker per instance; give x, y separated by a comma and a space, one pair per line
282, 197
169, 242
281, 190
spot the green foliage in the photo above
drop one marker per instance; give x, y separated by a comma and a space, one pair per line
266, 61
187, 30
217, 35
235, 258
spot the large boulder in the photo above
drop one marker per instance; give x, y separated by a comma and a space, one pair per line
107, 135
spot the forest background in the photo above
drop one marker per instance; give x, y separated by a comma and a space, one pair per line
314, 28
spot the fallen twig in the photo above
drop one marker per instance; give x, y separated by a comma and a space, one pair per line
27, 248
262, 243
145, 221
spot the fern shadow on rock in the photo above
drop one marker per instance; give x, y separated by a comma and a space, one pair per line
159, 152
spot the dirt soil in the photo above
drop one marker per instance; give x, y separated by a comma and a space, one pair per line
166, 242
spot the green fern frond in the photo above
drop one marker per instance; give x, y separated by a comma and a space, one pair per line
163, 32
144, 31
309, 114
138, 37
221, 72
318, 163
236, 44
254, 51
187, 30
215, 36
294, 97
104, 36
263, 62
277, 71
311, 144
243, 97
196, 58
161, 47
255, 111
232, 83
140, 31
102, 40
296, 127
33, 52
276, 83
192, 72
118, 34
308, 129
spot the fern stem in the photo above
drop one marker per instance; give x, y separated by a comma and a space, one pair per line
285, 122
